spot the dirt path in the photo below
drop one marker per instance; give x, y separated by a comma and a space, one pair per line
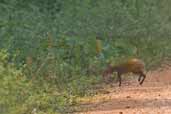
153, 97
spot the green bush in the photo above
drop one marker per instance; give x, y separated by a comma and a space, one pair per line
22, 96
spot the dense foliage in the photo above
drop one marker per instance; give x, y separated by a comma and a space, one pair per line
49, 49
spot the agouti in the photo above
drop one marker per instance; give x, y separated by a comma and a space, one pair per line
135, 66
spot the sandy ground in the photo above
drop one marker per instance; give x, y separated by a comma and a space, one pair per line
153, 97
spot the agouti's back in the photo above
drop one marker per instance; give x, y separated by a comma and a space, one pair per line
132, 65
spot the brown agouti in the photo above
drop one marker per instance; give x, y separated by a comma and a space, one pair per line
135, 66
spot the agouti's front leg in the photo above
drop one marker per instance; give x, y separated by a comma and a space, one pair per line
119, 79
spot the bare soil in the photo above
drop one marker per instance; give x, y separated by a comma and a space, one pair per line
153, 97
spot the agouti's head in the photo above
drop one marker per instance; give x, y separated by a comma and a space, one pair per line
109, 70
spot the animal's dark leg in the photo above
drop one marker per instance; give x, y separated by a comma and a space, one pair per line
119, 78
144, 76
104, 77
139, 78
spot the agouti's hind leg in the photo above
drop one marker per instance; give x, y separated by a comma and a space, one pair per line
143, 78
139, 78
